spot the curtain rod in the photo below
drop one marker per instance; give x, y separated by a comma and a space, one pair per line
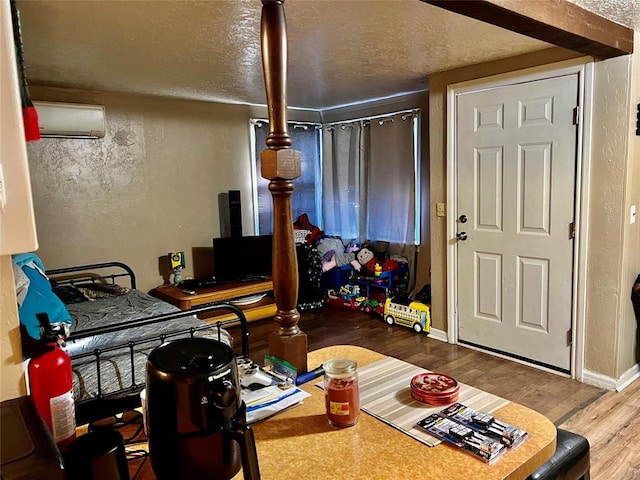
295, 122
412, 111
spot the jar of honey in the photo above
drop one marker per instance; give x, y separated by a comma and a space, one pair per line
342, 395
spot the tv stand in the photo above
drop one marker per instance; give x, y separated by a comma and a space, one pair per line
252, 278
222, 293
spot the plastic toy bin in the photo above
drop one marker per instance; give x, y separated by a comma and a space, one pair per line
335, 278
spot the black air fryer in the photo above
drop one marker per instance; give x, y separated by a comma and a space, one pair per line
196, 419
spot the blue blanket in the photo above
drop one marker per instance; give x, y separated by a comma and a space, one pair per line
39, 298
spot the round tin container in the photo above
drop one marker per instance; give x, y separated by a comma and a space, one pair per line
434, 388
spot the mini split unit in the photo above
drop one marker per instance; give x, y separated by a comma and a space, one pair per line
70, 120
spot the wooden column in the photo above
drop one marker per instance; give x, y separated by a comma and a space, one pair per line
280, 164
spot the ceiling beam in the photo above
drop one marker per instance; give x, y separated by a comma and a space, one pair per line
558, 22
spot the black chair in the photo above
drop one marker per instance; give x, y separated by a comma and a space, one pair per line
569, 462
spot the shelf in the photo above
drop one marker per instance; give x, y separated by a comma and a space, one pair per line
220, 294
256, 311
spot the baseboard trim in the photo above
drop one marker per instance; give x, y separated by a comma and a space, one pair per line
440, 335
598, 380
610, 383
628, 377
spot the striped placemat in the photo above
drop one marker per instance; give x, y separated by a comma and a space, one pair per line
385, 393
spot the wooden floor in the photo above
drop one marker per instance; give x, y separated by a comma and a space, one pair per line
609, 420
612, 426
555, 396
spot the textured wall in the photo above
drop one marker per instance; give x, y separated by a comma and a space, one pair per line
610, 333
438, 159
12, 383
149, 187
606, 219
17, 229
629, 351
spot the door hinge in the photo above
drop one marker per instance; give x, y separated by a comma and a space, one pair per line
572, 230
569, 337
576, 115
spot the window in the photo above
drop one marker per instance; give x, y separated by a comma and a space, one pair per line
307, 192
360, 178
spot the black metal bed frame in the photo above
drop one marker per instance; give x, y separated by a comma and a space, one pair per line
105, 405
89, 269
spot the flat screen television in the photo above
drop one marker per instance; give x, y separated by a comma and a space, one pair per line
242, 258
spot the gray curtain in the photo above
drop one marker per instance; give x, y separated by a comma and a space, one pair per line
342, 175
369, 190
390, 206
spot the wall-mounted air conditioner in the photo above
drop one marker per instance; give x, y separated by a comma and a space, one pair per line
70, 120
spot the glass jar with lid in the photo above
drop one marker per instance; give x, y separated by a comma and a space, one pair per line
342, 394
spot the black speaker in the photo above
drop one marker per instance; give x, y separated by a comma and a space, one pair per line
235, 213
230, 210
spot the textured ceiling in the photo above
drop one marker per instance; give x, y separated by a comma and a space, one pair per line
340, 52
625, 12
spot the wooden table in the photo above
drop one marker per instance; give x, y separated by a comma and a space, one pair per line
223, 292
300, 444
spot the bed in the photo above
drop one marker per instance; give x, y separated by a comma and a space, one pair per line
113, 330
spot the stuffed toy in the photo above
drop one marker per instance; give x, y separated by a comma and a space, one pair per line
334, 253
364, 255
399, 258
370, 267
374, 264
367, 259
303, 223
390, 264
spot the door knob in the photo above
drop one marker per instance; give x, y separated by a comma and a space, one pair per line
462, 236
462, 219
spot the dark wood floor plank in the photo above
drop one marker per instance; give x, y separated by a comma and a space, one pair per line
609, 420
553, 395
612, 426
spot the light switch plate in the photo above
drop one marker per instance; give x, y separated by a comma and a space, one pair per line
441, 209
632, 216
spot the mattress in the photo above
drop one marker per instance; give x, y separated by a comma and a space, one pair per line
119, 368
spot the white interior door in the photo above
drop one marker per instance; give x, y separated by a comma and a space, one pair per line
516, 154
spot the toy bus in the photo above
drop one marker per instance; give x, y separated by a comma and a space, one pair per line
416, 315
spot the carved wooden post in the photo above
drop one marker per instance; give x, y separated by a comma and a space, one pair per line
280, 164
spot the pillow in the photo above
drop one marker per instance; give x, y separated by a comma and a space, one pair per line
101, 290
39, 299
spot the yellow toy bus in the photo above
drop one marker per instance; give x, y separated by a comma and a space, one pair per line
414, 315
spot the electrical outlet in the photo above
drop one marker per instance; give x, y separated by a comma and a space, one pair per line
441, 209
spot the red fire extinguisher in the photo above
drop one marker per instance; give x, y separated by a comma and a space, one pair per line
51, 386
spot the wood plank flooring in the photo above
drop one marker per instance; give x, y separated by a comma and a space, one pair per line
555, 396
612, 426
609, 420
